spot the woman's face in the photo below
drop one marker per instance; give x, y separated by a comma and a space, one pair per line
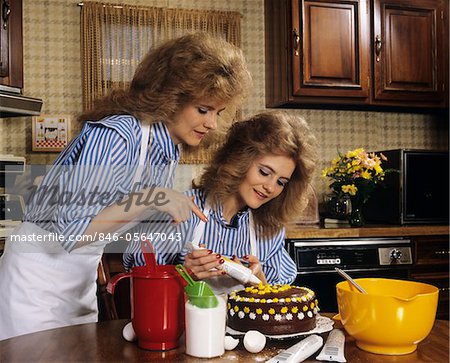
265, 180
191, 124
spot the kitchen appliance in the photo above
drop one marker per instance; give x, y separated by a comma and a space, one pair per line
12, 206
157, 305
360, 257
13, 103
10, 167
419, 193
392, 318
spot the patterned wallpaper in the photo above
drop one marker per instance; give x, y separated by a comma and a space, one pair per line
52, 72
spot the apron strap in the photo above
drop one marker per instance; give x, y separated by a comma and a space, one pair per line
252, 231
200, 230
147, 132
145, 129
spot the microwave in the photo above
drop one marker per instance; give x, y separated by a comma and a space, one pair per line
417, 194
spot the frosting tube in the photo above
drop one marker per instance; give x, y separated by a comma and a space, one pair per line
333, 350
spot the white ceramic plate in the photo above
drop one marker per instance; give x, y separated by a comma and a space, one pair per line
323, 324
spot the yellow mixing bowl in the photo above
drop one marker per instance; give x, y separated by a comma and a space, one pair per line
392, 318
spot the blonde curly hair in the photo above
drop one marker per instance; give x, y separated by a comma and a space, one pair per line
277, 133
178, 72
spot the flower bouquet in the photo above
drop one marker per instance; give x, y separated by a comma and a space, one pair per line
356, 174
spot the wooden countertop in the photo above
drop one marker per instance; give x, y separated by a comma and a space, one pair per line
337, 231
103, 342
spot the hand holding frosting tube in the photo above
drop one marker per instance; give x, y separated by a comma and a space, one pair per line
233, 269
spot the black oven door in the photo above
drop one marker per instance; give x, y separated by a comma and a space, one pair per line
324, 282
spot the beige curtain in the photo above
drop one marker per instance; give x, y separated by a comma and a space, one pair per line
116, 37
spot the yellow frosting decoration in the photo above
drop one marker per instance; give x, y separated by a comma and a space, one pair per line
294, 309
246, 310
271, 311
305, 308
284, 310
259, 311
236, 309
288, 299
312, 305
275, 300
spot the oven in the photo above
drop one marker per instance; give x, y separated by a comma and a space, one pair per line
359, 257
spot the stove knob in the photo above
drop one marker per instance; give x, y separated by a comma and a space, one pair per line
396, 254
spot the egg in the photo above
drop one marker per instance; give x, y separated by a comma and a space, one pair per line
128, 333
254, 341
230, 343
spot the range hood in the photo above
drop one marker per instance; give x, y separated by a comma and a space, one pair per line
14, 104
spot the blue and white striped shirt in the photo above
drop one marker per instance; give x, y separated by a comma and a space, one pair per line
221, 237
96, 170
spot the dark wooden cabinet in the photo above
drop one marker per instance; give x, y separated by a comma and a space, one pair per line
330, 62
431, 266
357, 52
11, 52
409, 53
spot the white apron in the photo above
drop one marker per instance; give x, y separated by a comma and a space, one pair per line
224, 284
45, 287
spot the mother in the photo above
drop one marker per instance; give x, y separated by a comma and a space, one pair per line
130, 143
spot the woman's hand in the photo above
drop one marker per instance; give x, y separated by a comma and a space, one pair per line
200, 262
255, 265
177, 205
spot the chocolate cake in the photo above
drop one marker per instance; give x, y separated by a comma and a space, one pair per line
273, 309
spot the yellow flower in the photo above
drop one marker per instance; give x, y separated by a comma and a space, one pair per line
350, 189
259, 311
284, 310
236, 309
295, 309
271, 311
246, 310
366, 175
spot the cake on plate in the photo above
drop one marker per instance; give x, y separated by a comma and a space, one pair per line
273, 309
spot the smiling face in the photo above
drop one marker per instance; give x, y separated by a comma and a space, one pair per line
191, 124
265, 180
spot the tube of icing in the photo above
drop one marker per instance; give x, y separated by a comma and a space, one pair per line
333, 350
239, 272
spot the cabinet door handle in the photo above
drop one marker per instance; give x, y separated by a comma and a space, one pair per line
296, 42
378, 43
6, 11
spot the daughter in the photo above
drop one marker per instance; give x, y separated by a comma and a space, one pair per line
255, 182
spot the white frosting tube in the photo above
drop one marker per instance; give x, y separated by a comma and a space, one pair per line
333, 350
